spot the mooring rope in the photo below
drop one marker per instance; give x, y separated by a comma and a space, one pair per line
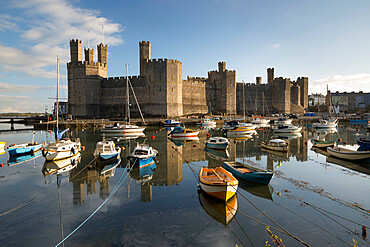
120, 182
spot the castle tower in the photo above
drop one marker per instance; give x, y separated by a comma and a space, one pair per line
76, 50
303, 84
221, 66
102, 53
145, 50
89, 56
222, 90
258, 80
270, 75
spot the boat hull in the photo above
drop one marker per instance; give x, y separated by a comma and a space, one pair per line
70, 151
320, 144
275, 148
222, 146
124, 131
24, 150
256, 177
110, 156
222, 192
192, 134
348, 154
364, 144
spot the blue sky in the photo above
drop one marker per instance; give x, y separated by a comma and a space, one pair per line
327, 41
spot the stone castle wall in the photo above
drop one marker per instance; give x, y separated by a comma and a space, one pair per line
161, 91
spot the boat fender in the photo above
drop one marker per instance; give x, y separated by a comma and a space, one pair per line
35, 143
153, 137
340, 140
363, 232
305, 143
122, 148
82, 148
235, 141
345, 143
155, 131
194, 146
208, 135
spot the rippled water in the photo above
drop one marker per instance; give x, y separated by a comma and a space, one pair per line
166, 209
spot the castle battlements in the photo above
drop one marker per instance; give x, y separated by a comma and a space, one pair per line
75, 41
163, 60
144, 42
82, 64
118, 78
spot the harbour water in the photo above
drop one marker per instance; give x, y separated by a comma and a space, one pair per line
311, 195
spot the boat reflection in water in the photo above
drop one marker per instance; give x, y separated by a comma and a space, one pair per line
286, 135
108, 168
358, 166
260, 190
181, 141
143, 176
221, 155
60, 166
219, 210
19, 159
118, 137
276, 155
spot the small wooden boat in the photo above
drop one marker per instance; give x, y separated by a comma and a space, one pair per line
170, 123
348, 154
364, 143
106, 150
143, 155
286, 128
248, 173
182, 132
217, 143
24, 148
276, 144
218, 182
322, 144
222, 212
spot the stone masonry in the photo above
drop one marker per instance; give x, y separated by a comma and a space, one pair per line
161, 91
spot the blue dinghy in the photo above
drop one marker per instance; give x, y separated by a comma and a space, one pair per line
24, 148
143, 155
248, 173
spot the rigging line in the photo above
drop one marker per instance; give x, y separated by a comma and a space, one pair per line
296, 238
335, 236
122, 179
84, 168
251, 103
335, 214
137, 103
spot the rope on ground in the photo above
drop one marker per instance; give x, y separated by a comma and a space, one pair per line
120, 182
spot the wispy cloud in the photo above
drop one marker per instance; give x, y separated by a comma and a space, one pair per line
342, 83
20, 104
18, 88
275, 46
47, 26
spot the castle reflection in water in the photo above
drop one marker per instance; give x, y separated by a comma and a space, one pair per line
173, 154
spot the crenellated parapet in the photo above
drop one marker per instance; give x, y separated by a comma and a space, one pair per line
163, 60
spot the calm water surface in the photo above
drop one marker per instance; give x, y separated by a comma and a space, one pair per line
163, 207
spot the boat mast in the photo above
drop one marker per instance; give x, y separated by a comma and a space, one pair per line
57, 110
243, 102
127, 98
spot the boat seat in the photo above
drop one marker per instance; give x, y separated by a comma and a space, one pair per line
244, 170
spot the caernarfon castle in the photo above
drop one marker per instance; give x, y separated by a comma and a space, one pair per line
161, 91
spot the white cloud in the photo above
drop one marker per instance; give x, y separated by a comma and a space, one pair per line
48, 25
341, 83
275, 46
20, 104
18, 88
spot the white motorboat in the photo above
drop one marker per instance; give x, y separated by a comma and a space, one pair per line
260, 121
326, 123
208, 123
348, 154
248, 125
107, 150
229, 125
143, 155
217, 143
240, 131
179, 131
283, 121
276, 144
286, 128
